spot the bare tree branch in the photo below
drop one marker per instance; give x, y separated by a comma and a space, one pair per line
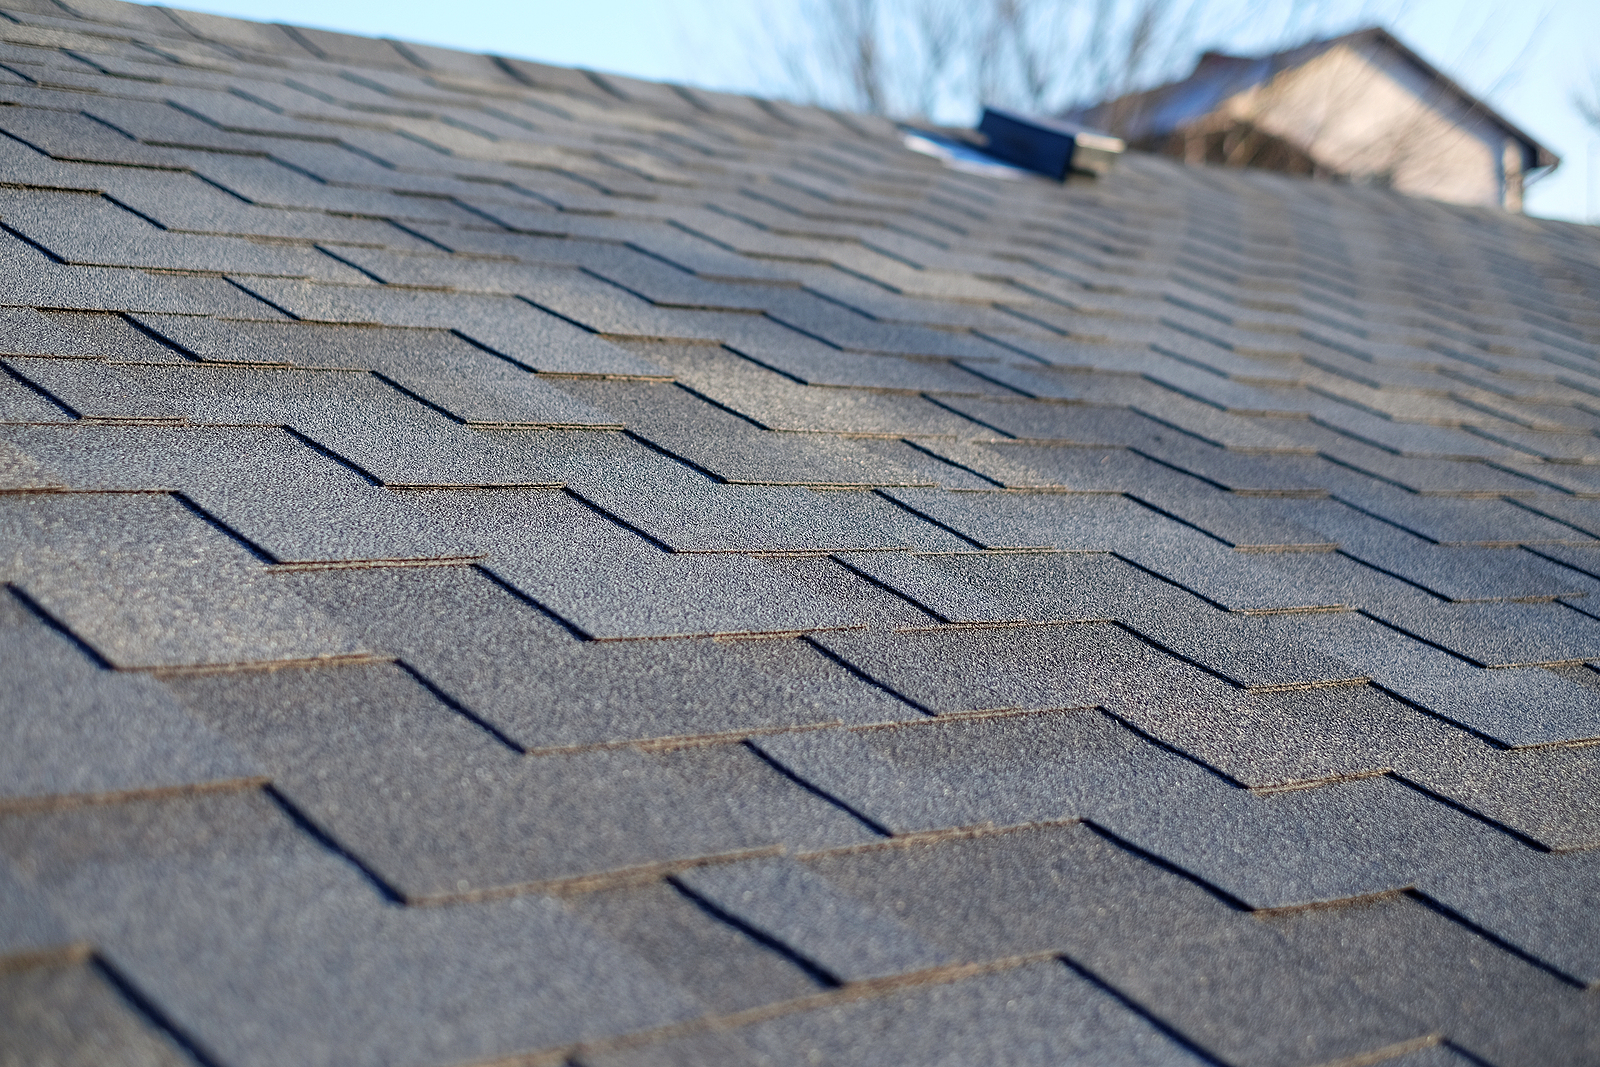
917, 57
1588, 103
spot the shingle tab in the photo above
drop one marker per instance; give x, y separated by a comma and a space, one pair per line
788, 903
1039, 1014
69, 1014
389, 770
1008, 770
730, 449
1482, 998
999, 668
1498, 635
274, 492
1038, 586
725, 968
1281, 738
517, 330
75, 729
170, 589
1548, 794
29, 927
439, 368
1309, 846
472, 639
1216, 977
332, 952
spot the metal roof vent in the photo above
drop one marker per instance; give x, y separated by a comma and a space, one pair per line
1047, 146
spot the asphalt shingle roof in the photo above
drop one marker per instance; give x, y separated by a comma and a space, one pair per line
507, 564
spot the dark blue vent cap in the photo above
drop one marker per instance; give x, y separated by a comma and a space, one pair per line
1048, 146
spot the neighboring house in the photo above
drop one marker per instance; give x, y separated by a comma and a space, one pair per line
1361, 106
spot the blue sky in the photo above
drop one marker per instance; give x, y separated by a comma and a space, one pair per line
1548, 50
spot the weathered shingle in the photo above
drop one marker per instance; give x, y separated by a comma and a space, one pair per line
515, 564
395, 773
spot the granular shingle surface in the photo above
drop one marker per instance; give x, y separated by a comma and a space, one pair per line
508, 564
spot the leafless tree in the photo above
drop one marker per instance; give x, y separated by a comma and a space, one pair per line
1588, 103
916, 58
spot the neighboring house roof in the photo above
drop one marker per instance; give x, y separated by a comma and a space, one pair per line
517, 565
1219, 77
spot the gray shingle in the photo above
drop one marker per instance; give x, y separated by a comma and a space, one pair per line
188, 203
1041, 1014
1418, 439
588, 300
1247, 523
1030, 466
67, 1014
1497, 635
26, 332
159, 124
92, 390
1538, 903
703, 517
94, 231
1516, 707
652, 594
1233, 471
778, 402
731, 449
79, 138
1068, 521
795, 907
994, 668
39, 281
1582, 558
1329, 578
219, 341
108, 336
848, 329
474, 640
1309, 846
722, 966
1452, 520
1066, 423
1513, 706
609, 582
286, 500
1581, 480
22, 402
1431, 1056
811, 362
440, 368
1218, 978
392, 773
29, 928
289, 952
1099, 523
1252, 652
1448, 979
1004, 771
1453, 573
74, 729
1548, 794
1423, 475
1281, 738
520, 332
1036, 586
18, 470
371, 425
147, 583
